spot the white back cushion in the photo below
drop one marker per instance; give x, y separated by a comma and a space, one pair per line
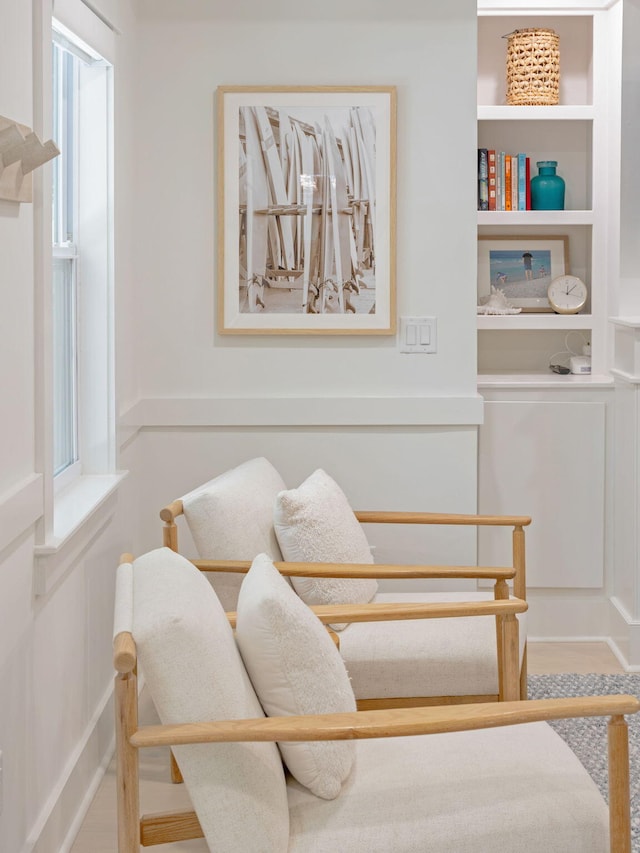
315, 523
296, 669
194, 673
231, 518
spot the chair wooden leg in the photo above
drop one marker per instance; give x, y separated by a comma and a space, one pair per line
500, 593
170, 535
176, 775
519, 564
524, 688
520, 591
619, 796
511, 687
127, 779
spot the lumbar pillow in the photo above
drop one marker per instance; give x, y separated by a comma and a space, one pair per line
314, 523
295, 668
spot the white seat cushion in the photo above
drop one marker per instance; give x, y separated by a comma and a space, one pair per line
424, 657
295, 669
194, 673
518, 789
315, 523
231, 518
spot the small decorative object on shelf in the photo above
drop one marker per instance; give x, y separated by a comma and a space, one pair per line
533, 67
497, 303
547, 188
567, 294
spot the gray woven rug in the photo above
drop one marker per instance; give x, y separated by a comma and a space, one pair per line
588, 737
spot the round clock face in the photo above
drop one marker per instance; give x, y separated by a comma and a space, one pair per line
567, 294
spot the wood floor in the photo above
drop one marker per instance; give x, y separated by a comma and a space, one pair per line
98, 832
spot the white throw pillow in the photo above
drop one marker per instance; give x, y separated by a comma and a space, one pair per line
315, 523
194, 672
231, 518
295, 668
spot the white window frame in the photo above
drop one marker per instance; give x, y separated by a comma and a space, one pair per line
76, 505
64, 214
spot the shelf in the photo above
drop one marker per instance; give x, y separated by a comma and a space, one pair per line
506, 7
535, 217
627, 322
568, 112
581, 133
543, 380
544, 320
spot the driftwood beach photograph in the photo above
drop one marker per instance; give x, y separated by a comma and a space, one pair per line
310, 189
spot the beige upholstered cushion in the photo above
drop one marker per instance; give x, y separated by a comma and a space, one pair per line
295, 669
518, 788
424, 657
194, 672
231, 518
315, 523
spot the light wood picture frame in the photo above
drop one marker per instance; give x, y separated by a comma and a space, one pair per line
306, 210
521, 266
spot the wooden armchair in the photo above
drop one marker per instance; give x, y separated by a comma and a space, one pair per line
488, 777
458, 656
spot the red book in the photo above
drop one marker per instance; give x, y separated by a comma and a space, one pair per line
507, 182
491, 155
528, 182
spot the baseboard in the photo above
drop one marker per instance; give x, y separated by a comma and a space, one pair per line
624, 634
624, 663
62, 814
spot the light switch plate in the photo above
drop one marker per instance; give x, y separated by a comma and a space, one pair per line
418, 334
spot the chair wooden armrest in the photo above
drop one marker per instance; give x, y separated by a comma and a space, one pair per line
393, 611
360, 570
400, 517
392, 722
518, 522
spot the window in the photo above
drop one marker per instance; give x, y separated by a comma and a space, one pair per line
65, 258
75, 396
82, 421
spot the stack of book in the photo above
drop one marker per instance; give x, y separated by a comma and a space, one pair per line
504, 180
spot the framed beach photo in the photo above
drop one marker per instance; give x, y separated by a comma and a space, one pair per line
306, 210
521, 268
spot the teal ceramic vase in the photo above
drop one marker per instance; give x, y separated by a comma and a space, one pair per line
547, 188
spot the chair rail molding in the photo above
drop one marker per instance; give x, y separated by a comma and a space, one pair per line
304, 411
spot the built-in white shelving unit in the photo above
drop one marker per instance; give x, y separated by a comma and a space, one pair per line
582, 133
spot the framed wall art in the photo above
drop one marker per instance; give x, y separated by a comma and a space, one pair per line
306, 210
521, 267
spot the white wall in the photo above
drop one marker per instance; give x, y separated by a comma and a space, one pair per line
16, 269
55, 651
186, 51
396, 430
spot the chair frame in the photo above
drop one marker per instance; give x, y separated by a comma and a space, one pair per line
500, 575
134, 830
